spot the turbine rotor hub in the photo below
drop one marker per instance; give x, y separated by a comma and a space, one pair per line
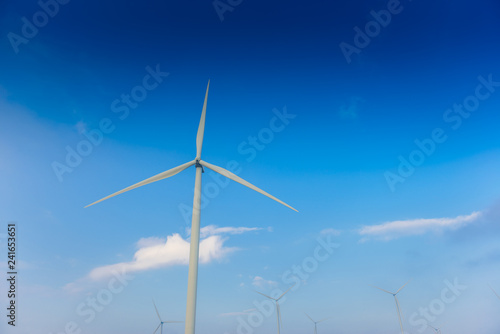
198, 165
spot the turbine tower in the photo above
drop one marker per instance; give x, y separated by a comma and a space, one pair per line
316, 322
276, 300
195, 222
162, 322
397, 303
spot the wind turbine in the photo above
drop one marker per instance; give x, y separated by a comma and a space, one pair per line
436, 329
316, 322
276, 300
397, 302
162, 322
195, 222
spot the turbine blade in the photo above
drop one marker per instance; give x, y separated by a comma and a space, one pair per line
201, 127
157, 177
496, 294
325, 319
156, 330
376, 287
238, 179
173, 322
401, 288
285, 292
260, 293
399, 314
156, 309
308, 316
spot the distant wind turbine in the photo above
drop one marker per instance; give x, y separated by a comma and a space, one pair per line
397, 303
276, 300
195, 221
316, 322
436, 329
162, 322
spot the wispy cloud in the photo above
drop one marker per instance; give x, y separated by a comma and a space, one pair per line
214, 230
399, 228
153, 253
262, 283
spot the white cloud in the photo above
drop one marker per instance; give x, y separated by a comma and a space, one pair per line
261, 282
154, 252
149, 242
399, 228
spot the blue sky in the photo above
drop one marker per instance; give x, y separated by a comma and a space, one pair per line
390, 154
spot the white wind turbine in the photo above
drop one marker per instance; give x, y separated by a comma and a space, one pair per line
195, 221
162, 322
276, 300
316, 322
397, 303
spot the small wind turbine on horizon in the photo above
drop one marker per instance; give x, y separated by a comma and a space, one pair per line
316, 322
436, 329
397, 302
278, 310
195, 220
162, 322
